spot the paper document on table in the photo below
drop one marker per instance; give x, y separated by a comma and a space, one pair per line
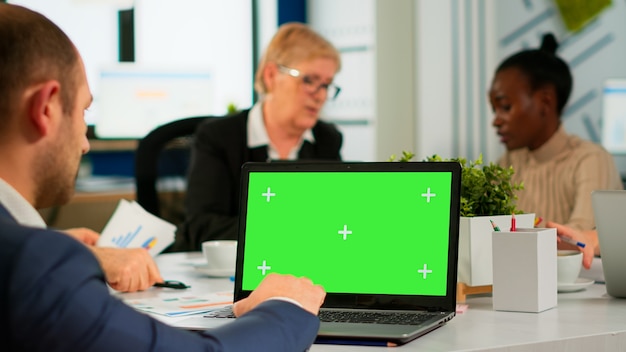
131, 226
180, 304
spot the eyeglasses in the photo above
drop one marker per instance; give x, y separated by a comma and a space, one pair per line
311, 84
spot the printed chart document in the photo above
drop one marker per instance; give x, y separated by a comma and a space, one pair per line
131, 226
179, 304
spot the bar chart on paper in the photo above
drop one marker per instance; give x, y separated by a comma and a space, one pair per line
124, 240
131, 226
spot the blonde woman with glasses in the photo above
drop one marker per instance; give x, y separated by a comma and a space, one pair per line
294, 80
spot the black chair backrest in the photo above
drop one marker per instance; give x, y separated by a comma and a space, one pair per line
147, 159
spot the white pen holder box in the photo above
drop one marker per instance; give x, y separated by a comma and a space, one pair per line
475, 266
524, 270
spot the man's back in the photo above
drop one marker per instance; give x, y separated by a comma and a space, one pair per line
54, 298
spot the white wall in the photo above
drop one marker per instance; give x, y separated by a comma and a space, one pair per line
395, 69
375, 108
267, 24
415, 76
455, 54
353, 33
211, 34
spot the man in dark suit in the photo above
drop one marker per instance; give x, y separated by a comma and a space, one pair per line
294, 80
53, 295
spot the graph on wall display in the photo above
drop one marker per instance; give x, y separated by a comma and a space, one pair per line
614, 116
152, 97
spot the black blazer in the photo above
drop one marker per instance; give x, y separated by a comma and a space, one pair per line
213, 182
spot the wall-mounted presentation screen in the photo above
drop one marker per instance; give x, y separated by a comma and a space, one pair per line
614, 116
133, 101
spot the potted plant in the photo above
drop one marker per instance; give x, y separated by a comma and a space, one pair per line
487, 195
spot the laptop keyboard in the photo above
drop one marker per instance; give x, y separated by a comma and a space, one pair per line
226, 312
334, 316
374, 317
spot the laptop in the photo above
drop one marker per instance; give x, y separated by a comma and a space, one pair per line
380, 237
608, 209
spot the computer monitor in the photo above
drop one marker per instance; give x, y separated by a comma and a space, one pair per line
132, 100
614, 116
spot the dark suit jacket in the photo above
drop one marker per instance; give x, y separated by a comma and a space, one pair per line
213, 183
53, 297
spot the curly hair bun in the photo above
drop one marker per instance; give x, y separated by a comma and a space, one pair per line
549, 43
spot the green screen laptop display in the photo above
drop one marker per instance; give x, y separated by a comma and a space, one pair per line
351, 232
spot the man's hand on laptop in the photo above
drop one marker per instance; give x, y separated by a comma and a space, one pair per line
275, 286
589, 238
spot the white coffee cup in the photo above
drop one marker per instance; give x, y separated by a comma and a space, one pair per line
220, 255
568, 264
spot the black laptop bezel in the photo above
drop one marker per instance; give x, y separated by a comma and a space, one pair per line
445, 303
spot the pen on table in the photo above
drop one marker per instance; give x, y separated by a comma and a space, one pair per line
172, 284
495, 227
355, 342
513, 222
571, 241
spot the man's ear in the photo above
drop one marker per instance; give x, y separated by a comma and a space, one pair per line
44, 103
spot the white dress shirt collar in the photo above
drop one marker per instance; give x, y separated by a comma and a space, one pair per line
19, 208
257, 134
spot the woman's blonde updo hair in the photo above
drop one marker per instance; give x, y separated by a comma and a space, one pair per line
293, 43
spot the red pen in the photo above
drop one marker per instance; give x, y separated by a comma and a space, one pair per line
513, 222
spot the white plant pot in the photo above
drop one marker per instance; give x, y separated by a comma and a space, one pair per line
475, 253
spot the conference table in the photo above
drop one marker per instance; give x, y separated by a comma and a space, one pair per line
587, 320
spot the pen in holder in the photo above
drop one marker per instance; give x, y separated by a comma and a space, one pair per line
524, 270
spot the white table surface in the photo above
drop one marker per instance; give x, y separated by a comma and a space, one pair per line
587, 320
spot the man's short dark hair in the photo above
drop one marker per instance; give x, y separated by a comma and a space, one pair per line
32, 50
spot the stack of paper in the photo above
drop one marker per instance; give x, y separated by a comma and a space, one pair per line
131, 226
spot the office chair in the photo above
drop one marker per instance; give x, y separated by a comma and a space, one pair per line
166, 143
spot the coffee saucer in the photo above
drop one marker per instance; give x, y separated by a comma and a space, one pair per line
204, 268
580, 284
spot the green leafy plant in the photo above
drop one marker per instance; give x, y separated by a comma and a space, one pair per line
231, 108
486, 190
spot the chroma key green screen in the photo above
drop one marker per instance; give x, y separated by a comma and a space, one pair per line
351, 232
